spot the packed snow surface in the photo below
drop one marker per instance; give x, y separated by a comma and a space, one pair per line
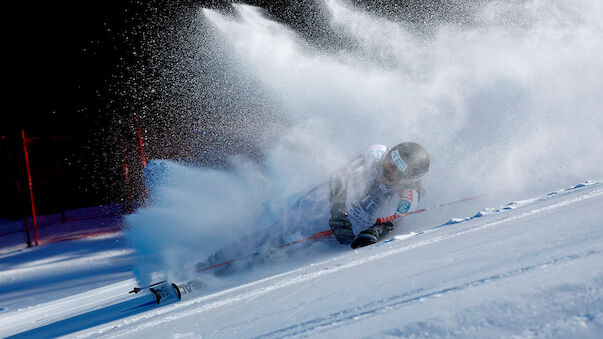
532, 267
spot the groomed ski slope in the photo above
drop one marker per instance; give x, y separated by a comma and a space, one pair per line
530, 268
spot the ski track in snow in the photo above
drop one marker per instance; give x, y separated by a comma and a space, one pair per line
485, 219
344, 317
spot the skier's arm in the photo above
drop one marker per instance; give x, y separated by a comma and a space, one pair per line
338, 190
338, 195
408, 201
339, 221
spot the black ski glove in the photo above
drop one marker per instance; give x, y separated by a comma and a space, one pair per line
342, 227
372, 234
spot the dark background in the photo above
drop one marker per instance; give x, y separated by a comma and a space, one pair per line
79, 80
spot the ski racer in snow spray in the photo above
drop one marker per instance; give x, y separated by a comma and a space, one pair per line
376, 183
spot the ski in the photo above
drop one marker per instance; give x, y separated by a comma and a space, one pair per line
165, 291
170, 292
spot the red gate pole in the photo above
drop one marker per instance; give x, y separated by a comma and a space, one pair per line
140, 143
31, 195
19, 191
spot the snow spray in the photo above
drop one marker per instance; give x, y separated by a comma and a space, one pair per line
506, 97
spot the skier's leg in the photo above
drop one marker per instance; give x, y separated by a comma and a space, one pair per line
306, 217
310, 214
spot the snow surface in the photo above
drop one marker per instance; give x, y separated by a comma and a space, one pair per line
530, 268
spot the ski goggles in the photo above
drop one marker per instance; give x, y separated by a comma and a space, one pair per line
390, 173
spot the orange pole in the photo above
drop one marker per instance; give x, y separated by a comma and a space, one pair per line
31, 195
19, 191
143, 158
396, 216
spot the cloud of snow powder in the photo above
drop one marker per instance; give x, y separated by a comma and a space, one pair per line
509, 102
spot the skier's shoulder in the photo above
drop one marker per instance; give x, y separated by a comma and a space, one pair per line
367, 157
374, 152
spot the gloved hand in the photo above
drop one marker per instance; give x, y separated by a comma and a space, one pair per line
342, 227
372, 234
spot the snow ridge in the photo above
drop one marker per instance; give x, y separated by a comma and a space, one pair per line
515, 204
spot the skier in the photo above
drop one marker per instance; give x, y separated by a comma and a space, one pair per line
378, 182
